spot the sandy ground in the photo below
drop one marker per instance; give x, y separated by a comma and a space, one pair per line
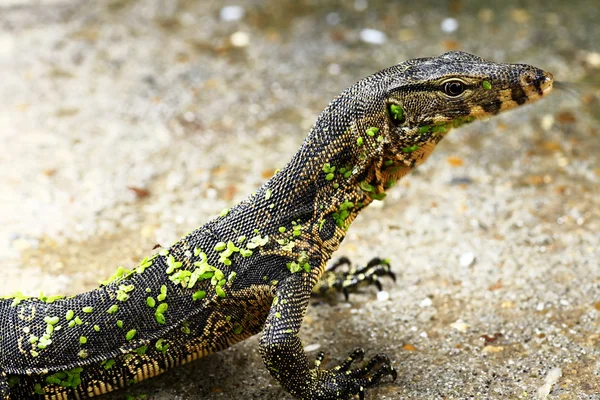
128, 123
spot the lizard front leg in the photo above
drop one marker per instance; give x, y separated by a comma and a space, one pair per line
284, 356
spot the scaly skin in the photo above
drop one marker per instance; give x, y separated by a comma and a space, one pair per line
214, 288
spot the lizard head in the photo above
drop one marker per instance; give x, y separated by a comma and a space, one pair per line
425, 98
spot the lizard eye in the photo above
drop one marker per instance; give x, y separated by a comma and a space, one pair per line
454, 88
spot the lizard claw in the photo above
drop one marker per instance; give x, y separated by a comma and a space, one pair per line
353, 278
341, 382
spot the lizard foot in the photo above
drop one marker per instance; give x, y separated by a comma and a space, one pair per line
341, 382
353, 278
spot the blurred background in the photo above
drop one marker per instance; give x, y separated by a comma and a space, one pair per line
126, 123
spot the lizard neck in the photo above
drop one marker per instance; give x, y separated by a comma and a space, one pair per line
339, 170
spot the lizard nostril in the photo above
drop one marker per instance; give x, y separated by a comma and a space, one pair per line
547, 77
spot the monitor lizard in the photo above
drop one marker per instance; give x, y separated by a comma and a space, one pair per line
254, 267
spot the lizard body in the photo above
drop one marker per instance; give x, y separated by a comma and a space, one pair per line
254, 267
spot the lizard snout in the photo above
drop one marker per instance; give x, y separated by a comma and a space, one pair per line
537, 81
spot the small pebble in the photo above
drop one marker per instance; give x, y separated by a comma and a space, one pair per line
7, 44
333, 18
485, 15
240, 39
551, 378
520, 15
449, 25
372, 36
552, 18
334, 69
232, 13
383, 295
189, 116
460, 325
593, 59
493, 349
467, 259
547, 122
406, 35
361, 5
312, 347
426, 302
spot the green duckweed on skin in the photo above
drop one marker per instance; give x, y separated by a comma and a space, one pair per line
161, 346
38, 389
162, 308
49, 299
396, 112
424, 129
120, 274
67, 379
51, 320
159, 315
123, 292
410, 149
13, 381
150, 302
329, 171
372, 131
163, 293
220, 292
17, 298
172, 265
113, 309
343, 214
144, 263
108, 364
366, 187
199, 295
44, 342
257, 241
220, 246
